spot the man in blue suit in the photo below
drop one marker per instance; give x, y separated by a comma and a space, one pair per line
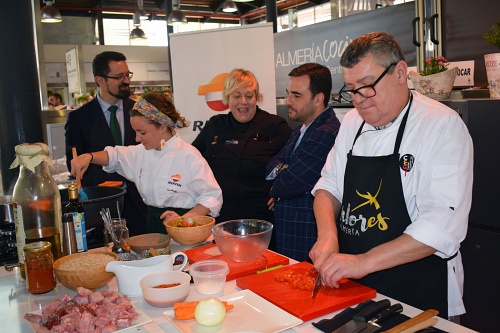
88, 130
297, 167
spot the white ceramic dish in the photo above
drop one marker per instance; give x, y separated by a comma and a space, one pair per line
251, 313
165, 297
142, 320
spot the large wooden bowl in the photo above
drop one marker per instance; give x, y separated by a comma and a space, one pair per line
92, 276
190, 235
144, 242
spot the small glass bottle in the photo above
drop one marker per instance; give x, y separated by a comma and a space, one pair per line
39, 262
37, 202
75, 208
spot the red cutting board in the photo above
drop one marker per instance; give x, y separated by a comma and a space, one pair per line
236, 269
299, 302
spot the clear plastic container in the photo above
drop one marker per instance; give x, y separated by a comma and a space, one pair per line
209, 276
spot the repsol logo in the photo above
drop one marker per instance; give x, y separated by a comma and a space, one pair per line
176, 184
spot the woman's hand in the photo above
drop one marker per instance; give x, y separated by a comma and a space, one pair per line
270, 204
168, 215
80, 164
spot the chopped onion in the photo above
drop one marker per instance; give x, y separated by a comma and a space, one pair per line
210, 312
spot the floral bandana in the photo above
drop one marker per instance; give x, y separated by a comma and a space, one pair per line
151, 112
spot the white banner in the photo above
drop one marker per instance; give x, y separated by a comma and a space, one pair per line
200, 63
72, 68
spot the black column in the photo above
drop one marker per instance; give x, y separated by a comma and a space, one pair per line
170, 29
20, 109
272, 14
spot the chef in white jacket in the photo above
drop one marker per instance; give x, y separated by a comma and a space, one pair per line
394, 196
170, 174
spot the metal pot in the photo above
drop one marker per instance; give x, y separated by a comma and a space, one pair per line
99, 197
7, 202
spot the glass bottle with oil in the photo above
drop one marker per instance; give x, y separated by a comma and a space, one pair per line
75, 208
37, 202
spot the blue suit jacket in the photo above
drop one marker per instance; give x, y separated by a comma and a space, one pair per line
295, 225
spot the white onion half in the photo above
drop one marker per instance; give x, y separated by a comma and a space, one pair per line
210, 312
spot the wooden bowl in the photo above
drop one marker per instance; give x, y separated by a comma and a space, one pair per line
190, 235
84, 269
144, 242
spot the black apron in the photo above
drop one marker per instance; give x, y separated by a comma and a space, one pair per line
374, 212
154, 223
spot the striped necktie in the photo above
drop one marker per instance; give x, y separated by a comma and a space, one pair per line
114, 125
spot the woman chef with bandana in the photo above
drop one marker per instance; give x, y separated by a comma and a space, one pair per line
170, 174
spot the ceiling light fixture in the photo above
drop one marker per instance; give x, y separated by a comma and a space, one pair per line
229, 7
142, 13
49, 13
137, 32
176, 16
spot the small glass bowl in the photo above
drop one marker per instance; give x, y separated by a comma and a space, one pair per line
209, 276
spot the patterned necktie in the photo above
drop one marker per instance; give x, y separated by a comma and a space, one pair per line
114, 125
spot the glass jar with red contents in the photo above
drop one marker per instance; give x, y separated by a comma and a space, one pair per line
39, 262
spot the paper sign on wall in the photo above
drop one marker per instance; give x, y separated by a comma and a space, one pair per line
72, 68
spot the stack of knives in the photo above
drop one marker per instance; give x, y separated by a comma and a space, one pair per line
369, 318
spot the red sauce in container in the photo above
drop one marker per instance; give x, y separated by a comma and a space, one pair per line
39, 262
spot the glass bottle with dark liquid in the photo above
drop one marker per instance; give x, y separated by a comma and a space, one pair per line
75, 208
37, 202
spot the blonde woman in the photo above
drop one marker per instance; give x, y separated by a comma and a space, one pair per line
238, 145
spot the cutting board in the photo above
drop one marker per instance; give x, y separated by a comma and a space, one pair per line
299, 302
236, 269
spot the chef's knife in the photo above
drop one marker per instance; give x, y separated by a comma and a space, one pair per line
360, 318
413, 321
373, 324
317, 286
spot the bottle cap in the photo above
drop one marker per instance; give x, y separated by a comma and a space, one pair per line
67, 217
37, 246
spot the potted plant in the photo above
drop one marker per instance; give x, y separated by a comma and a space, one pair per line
435, 80
492, 60
493, 35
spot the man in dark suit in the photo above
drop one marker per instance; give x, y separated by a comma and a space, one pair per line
105, 121
297, 167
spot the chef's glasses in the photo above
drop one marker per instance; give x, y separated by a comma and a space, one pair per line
365, 91
120, 77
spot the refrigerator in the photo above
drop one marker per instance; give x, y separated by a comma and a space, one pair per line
481, 248
454, 29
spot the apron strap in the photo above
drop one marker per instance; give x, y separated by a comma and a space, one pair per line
401, 130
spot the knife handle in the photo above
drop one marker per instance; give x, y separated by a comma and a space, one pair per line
371, 310
386, 313
413, 321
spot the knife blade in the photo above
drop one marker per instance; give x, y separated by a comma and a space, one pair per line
413, 321
361, 317
317, 286
373, 324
